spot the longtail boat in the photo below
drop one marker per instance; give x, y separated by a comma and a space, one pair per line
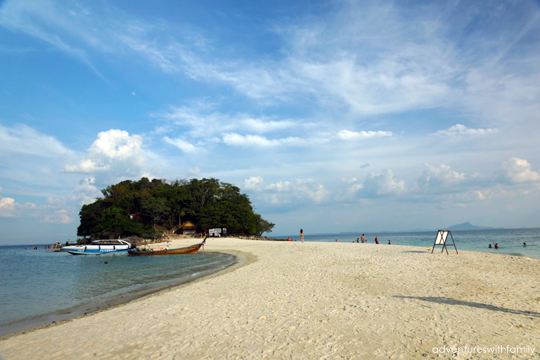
185, 250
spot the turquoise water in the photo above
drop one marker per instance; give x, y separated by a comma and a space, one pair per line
40, 286
510, 240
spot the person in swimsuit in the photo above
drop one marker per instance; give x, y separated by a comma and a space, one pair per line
302, 235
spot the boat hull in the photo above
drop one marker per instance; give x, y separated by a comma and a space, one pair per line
97, 252
99, 247
186, 250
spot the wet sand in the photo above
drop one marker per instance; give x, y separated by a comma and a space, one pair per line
313, 300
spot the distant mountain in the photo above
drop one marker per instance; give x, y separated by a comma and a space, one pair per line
468, 226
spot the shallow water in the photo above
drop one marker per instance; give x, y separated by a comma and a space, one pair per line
510, 240
37, 283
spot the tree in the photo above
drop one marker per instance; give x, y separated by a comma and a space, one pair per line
207, 202
155, 208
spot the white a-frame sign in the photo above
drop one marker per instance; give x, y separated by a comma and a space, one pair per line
442, 239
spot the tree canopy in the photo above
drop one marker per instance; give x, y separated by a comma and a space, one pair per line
137, 208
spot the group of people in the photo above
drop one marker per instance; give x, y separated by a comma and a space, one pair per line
301, 236
362, 239
496, 245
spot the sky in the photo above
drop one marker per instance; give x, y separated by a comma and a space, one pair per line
332, 116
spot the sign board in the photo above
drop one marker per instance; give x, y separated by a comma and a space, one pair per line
442, 235
217, 232
442, 239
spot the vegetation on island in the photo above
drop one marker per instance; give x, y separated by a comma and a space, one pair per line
141, 208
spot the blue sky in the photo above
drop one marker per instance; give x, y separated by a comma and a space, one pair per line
331, 115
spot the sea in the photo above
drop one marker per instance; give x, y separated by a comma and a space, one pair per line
40, 286
510, 241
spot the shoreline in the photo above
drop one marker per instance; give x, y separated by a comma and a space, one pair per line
43, 321
314, 300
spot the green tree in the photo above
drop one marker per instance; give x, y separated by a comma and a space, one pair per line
207, 202
155, 208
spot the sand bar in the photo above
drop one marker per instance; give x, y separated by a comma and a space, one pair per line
315, 300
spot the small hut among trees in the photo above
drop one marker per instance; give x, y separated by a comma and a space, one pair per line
187, 228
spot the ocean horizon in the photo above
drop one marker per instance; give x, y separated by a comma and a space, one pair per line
510, 241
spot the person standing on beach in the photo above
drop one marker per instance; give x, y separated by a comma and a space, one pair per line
302, 235
363, 238
376, 240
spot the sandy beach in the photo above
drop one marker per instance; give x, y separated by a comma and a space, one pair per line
316, 300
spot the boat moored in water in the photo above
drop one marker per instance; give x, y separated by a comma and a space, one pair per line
100, 247
185, 250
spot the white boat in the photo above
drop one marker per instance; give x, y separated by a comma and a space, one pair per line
100, 247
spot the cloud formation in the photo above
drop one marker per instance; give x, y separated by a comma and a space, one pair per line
520, 171
114, 151
25, 140
353, 135
9, 208
443, 175
383, 184
287, 192
234, 139
86, 192
395, 104
459, 129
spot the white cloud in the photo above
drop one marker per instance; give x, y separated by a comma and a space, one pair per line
86, 192
253, 182
58, 217
353, 135
459, 129
114, 151
87, 166
443, 175
264, 126
286, 192
181, 144
196, 172
117, 144
505, 98
280, 186
394, 59
234, 139
315, 191
22, 139
383, 184
11, 209
200, 121
7, 207
347, 192
520, 171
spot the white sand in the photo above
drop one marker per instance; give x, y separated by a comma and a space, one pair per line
314, 300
